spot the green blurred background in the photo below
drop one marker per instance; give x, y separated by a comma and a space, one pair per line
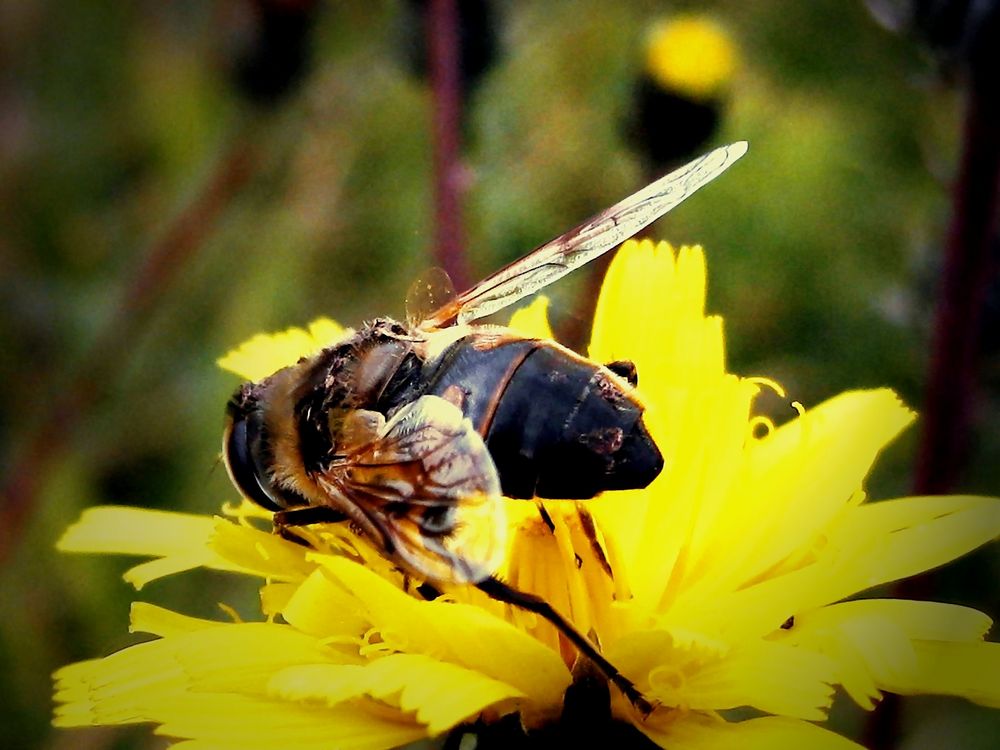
125, 125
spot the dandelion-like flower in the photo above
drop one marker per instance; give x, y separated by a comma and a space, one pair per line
726, 584
692, 55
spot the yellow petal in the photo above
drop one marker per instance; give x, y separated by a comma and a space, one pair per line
274, 597
651, 311
533, 320
130, 685
183, 541
704, 675
458, 633
239, 722
329, 683
868, 545
148, 618
774, 516
678, 353
265, 354
968, 670
441, 694
894, 539
260, 553
180, 540
870, 639
325, 609
800, 478
767, 733
136, 531
687, 504
786, 681
918, 620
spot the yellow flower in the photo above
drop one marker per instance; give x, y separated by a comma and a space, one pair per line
724, 585
693, 55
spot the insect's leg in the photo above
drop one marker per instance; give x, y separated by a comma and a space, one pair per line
546, 518
307, 515
428, 592
500, 591
285, 520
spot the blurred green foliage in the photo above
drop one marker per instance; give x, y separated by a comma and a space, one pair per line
822, 246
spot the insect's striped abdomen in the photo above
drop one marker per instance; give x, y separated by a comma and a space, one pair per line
556, 425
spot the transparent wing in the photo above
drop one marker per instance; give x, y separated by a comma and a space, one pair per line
594, 237
431, 291
428, 484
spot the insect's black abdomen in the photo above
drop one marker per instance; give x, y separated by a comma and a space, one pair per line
556, 425
479, 377
565, 429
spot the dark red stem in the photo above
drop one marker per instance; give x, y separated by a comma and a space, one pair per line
69, 400
443, 44
949, 416
969, 266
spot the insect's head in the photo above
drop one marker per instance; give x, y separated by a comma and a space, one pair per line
249, 453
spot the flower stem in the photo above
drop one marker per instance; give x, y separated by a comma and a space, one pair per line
443, 44
969, 267
968, 270
69, 401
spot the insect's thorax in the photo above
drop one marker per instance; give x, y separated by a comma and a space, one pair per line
370, 370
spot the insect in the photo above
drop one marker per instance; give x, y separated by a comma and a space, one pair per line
414, 432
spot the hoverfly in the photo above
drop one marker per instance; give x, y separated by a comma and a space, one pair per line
414, 432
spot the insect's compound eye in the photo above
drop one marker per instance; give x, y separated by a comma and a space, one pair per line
243, 469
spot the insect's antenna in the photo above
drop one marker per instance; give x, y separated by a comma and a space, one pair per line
497, 589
